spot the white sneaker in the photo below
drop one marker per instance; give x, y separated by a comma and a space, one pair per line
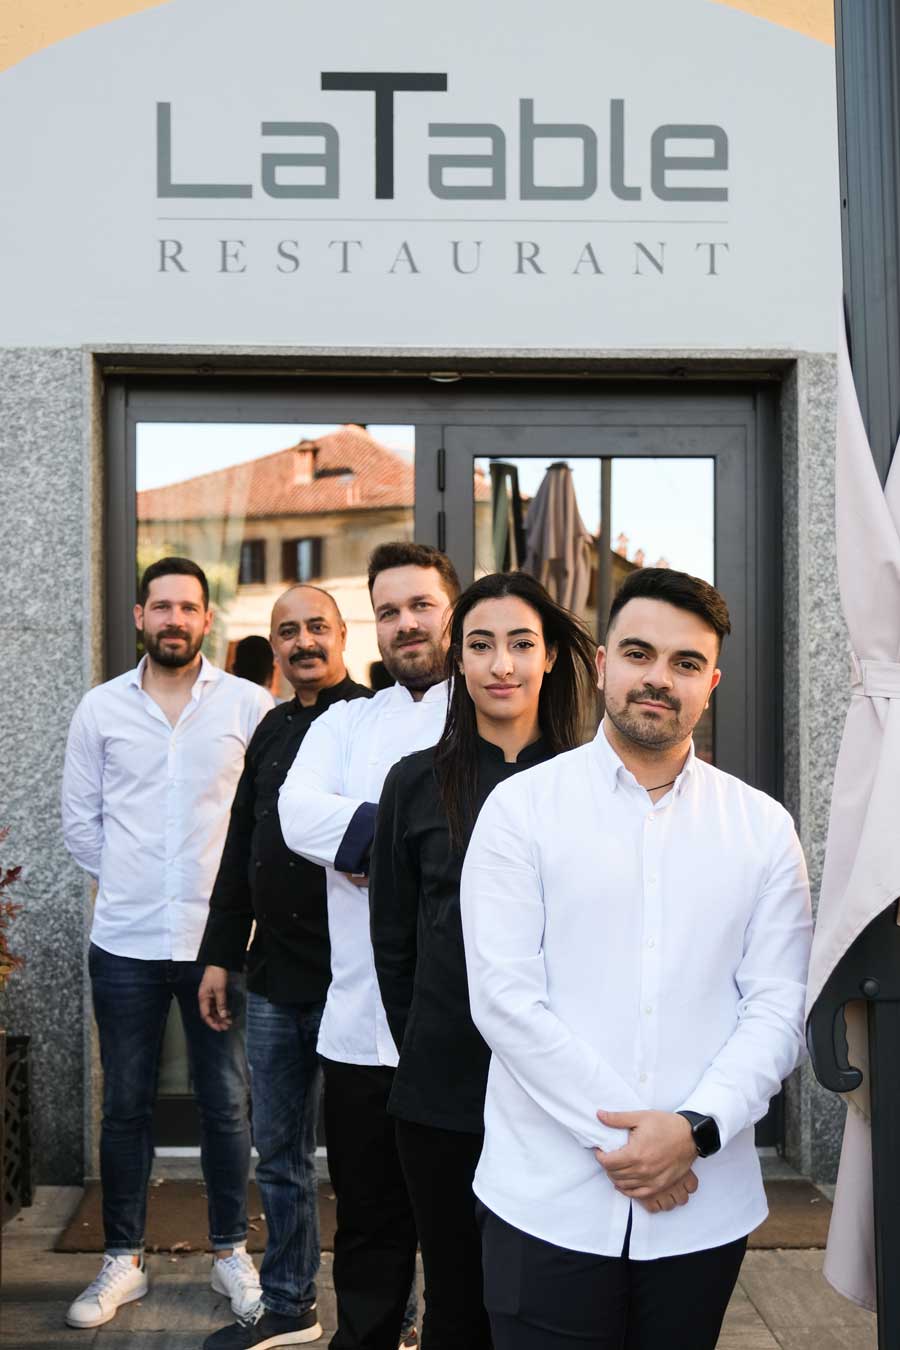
120, 1281
235, 1276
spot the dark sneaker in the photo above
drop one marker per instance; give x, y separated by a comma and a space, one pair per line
409, 1340
264, 1330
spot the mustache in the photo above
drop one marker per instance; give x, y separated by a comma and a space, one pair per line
656, 695
175, 633
413, 641
307, 653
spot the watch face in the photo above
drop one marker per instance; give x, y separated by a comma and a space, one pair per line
706, 1136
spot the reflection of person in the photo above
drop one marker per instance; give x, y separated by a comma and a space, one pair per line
253, 661
287, 970
637, 932
151, 766
327, 807
524, 667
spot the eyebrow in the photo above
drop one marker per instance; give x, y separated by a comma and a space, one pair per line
293, 623
394, 604
648, 647
488, 632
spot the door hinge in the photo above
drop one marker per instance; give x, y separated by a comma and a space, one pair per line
442, 530
441, 469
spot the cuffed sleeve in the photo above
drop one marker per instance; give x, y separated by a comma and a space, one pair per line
503, 926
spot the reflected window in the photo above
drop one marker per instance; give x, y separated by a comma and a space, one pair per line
301, 559
252, 571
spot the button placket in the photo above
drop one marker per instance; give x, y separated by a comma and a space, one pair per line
651, 917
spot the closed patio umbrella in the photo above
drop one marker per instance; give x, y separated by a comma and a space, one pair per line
558, 546
861, 880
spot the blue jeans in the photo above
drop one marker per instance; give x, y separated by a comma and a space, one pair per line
131, 1005
286, 1083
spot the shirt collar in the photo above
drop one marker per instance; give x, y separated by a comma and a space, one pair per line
334, 693
436, 693
207, 672
614, 771
529, 754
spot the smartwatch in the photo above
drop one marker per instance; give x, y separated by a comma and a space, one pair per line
705, 1132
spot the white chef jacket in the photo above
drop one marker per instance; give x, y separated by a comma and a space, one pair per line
629, 956
145, 805
327, 810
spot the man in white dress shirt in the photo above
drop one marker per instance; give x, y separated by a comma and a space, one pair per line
637, 931
152, 761
327, 810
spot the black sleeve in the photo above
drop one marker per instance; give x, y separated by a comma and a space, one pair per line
230, 917
393, 906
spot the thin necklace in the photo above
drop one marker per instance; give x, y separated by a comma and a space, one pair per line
661, 785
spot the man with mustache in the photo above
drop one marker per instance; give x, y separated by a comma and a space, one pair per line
151, 765
637, 931
288, 970
327, 808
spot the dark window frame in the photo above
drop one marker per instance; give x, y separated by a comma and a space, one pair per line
257, 554
290, 559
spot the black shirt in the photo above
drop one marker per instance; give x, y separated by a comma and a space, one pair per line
260, 878
418, 942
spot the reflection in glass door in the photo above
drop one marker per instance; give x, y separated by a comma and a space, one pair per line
262, 506
582, 526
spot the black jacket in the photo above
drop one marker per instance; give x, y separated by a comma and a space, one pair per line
260, 878
418, 942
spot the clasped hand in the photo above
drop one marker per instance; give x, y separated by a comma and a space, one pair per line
654, 1167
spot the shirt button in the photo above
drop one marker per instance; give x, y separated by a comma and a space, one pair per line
648, 1009
651, 818
643, 1078
651, 942
653, 880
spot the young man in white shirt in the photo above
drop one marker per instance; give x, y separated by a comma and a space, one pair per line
327, 809
152, 761
637, 929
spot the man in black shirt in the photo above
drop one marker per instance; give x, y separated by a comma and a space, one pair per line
288, 970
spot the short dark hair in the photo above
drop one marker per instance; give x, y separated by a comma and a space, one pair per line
401, 553
253, 659
179, 567
678, 589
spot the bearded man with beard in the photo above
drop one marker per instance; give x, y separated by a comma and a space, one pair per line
327, 808
152, 761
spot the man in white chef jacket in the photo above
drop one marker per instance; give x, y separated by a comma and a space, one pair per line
637, 930
327, 809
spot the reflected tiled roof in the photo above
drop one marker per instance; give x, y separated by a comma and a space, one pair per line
344, 470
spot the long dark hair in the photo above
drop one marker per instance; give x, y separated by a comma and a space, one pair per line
562, 706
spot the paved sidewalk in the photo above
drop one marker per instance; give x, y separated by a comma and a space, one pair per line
781, 1303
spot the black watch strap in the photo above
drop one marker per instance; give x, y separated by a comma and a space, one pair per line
705, 1132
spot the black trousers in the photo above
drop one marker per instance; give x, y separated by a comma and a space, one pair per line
375, 1239
439, 1166
542, 1297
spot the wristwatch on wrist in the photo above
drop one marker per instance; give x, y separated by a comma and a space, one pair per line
705, 1132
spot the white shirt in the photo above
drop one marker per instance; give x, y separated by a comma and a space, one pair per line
627, 956
327, 812
145, 805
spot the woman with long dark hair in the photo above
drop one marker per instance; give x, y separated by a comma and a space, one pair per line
522, 671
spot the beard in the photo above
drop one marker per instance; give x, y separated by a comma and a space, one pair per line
173, 660
646, 730
417, 668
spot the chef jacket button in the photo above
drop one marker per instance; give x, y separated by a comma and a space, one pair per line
292, 863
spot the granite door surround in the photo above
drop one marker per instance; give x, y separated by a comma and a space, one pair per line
52, 635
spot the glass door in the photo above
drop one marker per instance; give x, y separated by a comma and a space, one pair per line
582, 506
